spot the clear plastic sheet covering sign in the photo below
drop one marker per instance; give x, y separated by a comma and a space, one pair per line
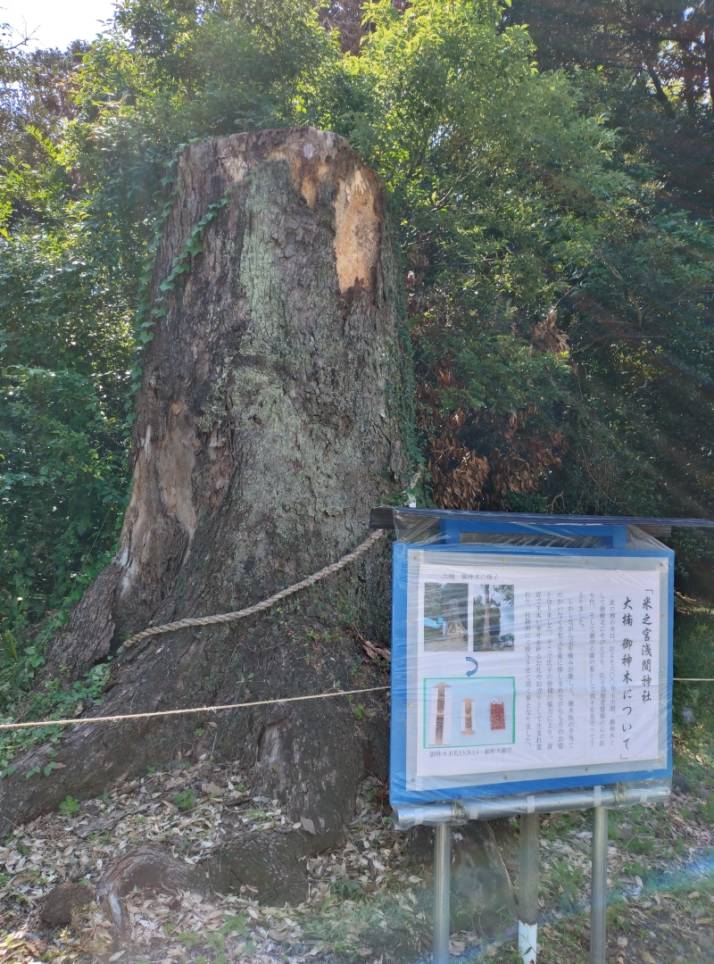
528, 658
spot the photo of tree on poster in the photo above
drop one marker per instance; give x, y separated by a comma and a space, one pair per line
446, 616
493, 617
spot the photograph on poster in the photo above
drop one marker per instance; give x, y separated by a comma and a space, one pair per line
446, 617
468, 712
493, 617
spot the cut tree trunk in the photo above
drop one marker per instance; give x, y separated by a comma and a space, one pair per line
269, 422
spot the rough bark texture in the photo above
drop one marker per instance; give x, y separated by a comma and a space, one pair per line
267, 425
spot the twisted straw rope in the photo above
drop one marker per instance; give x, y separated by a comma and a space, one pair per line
264, 603
258, 607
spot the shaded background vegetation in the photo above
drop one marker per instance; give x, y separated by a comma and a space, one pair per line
549, 167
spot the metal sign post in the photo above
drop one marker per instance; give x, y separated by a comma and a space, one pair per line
442, 892
531, 673
528, 889
443, 816
598, 900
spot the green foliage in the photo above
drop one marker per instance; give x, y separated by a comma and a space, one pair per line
567, 883
184, 800
347, 919
359, 711
150, 311
69, 807
694, 658
65, 345
558, 301
50, 701
216, 941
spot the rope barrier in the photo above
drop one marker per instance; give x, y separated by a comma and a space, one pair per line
263, 604
121, 717
222, 618
214, 620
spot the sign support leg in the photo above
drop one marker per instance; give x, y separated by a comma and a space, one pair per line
598, 907
528, 889
442, 892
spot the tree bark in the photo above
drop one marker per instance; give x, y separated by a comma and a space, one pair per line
269, 421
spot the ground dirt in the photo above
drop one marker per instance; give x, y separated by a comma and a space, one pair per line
368, 900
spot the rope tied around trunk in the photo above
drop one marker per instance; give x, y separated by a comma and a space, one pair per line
264, 604
219, 619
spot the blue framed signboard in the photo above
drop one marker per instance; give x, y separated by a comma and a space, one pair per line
527, 664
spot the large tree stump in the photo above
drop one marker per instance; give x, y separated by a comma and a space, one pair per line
268, 424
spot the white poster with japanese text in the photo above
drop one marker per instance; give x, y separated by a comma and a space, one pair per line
525, 667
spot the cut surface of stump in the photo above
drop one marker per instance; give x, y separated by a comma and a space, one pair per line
61, 903
148, 869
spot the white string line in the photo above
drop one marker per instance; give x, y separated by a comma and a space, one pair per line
263, 604
232, 617
89, 720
